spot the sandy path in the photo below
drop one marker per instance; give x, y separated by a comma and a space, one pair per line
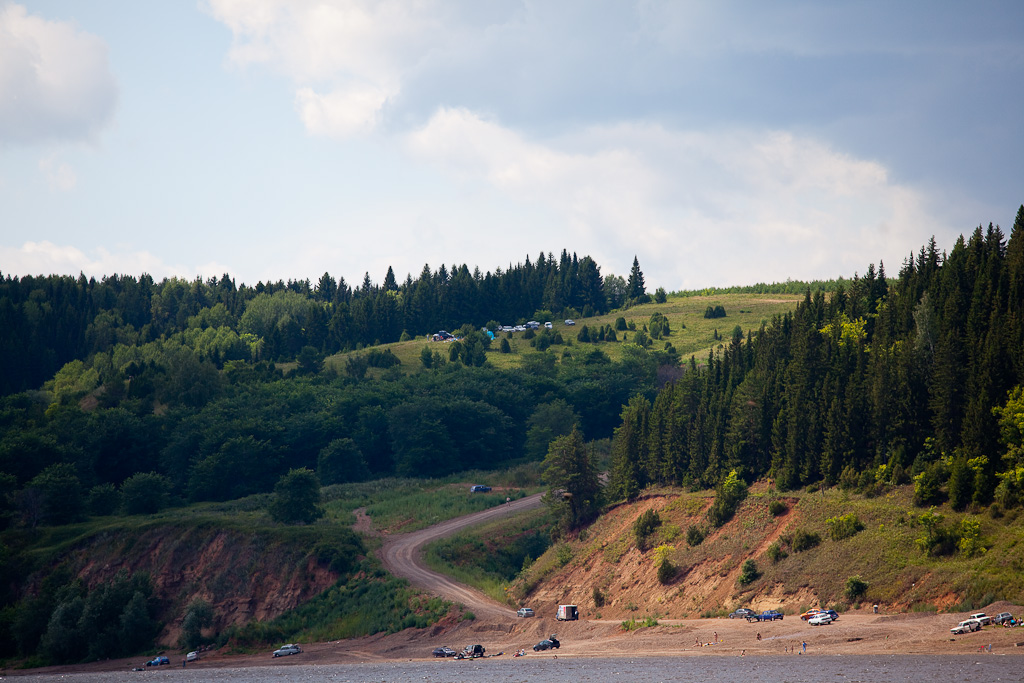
402, 555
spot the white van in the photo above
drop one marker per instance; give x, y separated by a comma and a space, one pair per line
567, 613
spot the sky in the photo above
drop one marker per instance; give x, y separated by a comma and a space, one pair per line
721, 143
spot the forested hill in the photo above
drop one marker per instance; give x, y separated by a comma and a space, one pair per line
48, 321
919, 378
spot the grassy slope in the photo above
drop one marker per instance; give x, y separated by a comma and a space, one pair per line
884, 554
748, 311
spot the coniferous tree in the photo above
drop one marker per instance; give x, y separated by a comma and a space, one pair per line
635, 288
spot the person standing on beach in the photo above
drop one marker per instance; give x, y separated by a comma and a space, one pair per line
805, 647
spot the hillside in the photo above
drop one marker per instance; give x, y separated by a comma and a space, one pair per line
605, 557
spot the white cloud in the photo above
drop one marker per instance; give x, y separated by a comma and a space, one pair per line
347, 58
55, 81
35, 258
704, 208
59, 174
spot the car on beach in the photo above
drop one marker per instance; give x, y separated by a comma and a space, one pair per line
742, 613
982, 618
444, 651
547, 644
966, 626
1002, 618
820, 619
158, 661
768, 615
192, 656
524, 612
289, 649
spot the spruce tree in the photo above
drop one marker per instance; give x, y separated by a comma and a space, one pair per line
635, 288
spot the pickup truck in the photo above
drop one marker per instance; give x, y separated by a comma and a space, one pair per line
982, 618
770, 615
966, 626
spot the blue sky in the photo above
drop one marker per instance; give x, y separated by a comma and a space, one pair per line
721, 142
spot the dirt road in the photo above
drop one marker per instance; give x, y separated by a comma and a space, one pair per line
402, 555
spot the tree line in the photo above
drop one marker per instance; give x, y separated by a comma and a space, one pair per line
48, 321
915, 379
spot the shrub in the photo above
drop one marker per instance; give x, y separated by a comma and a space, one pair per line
729, 494
776, 553
620, 324
666, 572
104, 499
804, 540
856, 588
297, 498
599, 597
563, 554
644, 526
145, 493
694, 535
844, 526
749, 573
777, 507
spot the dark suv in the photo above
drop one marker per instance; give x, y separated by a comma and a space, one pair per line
479, 489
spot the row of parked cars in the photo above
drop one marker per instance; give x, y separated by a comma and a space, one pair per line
815, 617
978, 619
751, 615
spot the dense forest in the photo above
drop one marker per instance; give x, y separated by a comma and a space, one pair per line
918, 378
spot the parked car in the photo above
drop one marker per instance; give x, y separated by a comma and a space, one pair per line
548, 326
820, 619
524, 612
479, 489
548, 644
811, 613
742, 613
768, 615
471, 652
192, 657
444, 652
1002, 618
158, 661
966, 626
981, 617
289, 649
570, 322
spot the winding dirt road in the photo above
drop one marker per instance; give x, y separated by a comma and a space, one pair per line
402, 555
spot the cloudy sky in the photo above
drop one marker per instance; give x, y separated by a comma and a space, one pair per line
721, 142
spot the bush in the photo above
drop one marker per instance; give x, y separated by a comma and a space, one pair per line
856, 588
297, 498
620, 324
749, 573
563, 554
804, 540
777, 507
844, 526
644, 526
104, 500
666, 572
729, 494
599, 597
145, 493
660, 296
694, 535
776, 553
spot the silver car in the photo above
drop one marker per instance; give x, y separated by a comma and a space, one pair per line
524, 612
289, 649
